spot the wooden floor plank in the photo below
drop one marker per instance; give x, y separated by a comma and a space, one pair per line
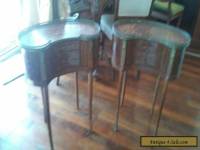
22, 124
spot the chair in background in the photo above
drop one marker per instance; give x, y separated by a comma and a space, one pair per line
90, 9
82, 7
167, 10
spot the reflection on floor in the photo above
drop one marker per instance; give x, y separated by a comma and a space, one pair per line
21, 113
11, 68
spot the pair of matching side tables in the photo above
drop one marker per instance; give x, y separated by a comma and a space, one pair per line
61, 47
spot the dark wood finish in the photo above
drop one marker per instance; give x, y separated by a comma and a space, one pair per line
52, 50
90, 93
196, 34
124, 81
120, 97
97, 8
77, 91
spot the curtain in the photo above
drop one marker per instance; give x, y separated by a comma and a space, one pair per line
10, 16
16, 15
39, 11
35, 11
63, 9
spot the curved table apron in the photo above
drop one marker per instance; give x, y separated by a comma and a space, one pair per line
35, 41
155, 32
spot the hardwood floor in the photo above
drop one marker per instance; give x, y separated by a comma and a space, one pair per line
22, 126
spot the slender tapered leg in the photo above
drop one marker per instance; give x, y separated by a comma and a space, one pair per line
102, 43
157, 85
77, 91
113, 73
45, 97
119, 100
155, 94
44, 104
179, 21
124, 80
164, 89
58, 81
90, 93
138, 72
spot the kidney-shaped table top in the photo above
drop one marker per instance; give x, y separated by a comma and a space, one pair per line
43, 34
